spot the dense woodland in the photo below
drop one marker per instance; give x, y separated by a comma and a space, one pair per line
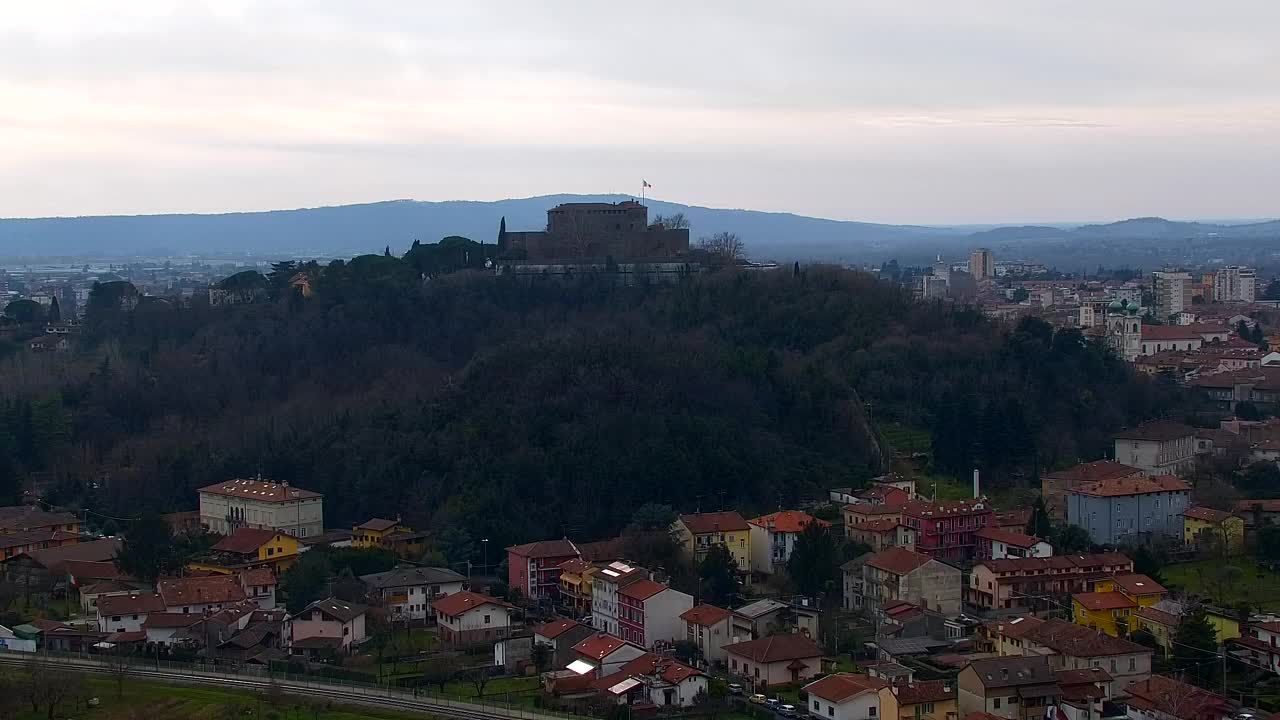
478, 406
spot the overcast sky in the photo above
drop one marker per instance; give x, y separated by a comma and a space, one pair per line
929, 111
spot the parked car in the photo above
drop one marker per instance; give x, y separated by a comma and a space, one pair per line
773, 703
787, 711
735, 689
756, 699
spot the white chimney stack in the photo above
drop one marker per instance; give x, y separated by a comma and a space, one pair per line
976, 485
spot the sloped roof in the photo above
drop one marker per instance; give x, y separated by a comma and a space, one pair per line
1103, 600
92, 570
337, 609
776, 648
792, 521
200, 590
642, 589
377, 524
546, 549
26, 517
705, 615
1157, 615
1138, 584
460, 602
260, 577
598, 646
1208, 515
897, 560
245, 540
925, 691
1008, 537
1119, 487
1160, 430
103, 550
1094, 471
1169, 332
171, 620
259, 490
1176, 698
842, 686
556, 628
412, 577
702, 523
1068, 638
131, 604
1003, 672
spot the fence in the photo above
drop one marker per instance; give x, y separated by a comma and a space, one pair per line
289, 683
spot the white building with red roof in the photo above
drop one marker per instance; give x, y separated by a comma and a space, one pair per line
468, 618
773, 537
262, 504
849, 696
999, 543
127, 613
649, 613
653, 680
710, 628
775, 660
534, 568
603, 654
199, 595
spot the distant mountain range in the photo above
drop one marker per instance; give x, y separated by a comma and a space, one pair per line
354, 229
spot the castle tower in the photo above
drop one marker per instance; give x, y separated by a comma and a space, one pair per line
1124, 329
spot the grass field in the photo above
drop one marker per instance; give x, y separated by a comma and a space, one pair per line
153, 701
1254, 584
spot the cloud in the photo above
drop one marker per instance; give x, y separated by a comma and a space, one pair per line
486, 99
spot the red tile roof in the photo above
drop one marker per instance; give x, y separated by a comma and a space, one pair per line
546, 549
1008, 537
1094, 471
842, 686
1169, 332
950, 508
1156, 615
83, 570
1012, 518
1160, 430
171, 620
1103, 600
1176, 698
703, 523
650, 664
776, 648
460, 602
598, 646
1120, 487
1264, 504
260, 490
1014, 627
878, 525
132, 604
792, 521
896, 560
576, 566
1068, 638
705, 615
199, 591
246, 541
258, 577
556, 628
642, 589
925, 691
870, 509
377, 524
1138, 584
1207, 514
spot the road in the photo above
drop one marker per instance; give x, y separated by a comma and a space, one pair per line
346, 695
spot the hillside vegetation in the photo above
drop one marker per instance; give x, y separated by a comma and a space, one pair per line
484, 408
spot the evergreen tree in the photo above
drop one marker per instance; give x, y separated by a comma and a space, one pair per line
1146, 562
387, 252
814, 563
148, 550
55, 312
1195, 645
1242, 329
1041, 525
719, 576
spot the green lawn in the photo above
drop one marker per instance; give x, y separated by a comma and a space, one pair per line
1253, 584
145, 699
904, 439
494, 689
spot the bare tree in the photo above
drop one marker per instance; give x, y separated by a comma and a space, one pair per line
10, 698
118, 663
726, 245
479, 678
675, 221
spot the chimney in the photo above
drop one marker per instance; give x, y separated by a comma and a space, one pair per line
976, 485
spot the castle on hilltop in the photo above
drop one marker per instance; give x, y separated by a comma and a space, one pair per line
587, 232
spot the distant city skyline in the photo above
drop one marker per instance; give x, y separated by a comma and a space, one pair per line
930, 112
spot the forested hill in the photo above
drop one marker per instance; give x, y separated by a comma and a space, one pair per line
518, 412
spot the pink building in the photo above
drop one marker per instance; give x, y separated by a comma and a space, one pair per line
649, 612
534, 568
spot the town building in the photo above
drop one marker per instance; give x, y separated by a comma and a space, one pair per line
1039, 583
42, 573
1172, 292
882, 533
997, 544
200, 595
1054, 485
259, 586
947, 530
603, 654
925, 699
759, 618
1206, 527
1014, 688
982, 264
127, 613
775, 660
575, 586
467, 618
1124, 329
534, 568
1113, 604
26, 518
261, 504
391, 535
1164, 698
1157, 339
1162, 447
1235, 284
326, 625
606, 584
560, 636
849, 696
248, 548
710, 628
649, 613
1117, 511
897, 574
699, 532
772, 538
408, 592
594, 230
1260, 645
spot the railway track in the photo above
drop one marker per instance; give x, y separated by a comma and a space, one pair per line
371, 697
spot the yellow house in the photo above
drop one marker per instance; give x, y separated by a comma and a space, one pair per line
1202, 524
389, 534
1163, 624
698, 533
1112, 606
248, 548
927, 700
575, 584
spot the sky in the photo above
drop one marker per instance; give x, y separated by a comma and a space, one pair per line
920, 111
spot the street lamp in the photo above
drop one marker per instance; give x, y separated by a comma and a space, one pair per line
484, 544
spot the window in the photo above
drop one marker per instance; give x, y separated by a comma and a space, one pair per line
871, 711
345, 631
996, 703
1133, 663
815, 705
486, 619
1013, 700
135, 617
831, 711
115, 618
1113, 664
757, 672
271, 551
